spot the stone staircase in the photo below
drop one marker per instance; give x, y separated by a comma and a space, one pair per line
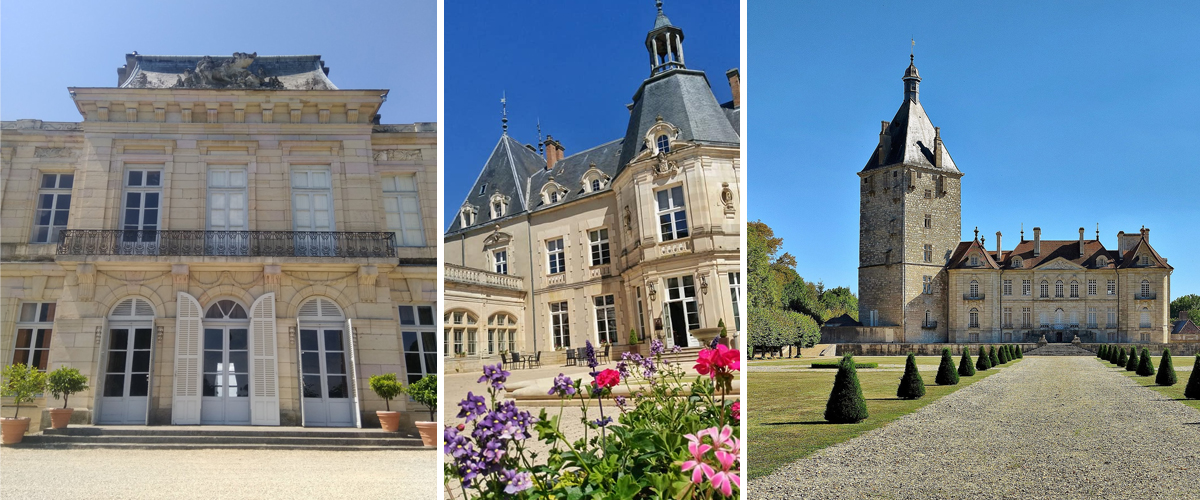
1059, 350
221, 437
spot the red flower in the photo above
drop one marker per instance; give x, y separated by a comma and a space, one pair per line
737, 410
608, 378
720, 360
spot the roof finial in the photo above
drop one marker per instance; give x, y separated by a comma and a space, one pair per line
504, 112
1022, 231
539, 128
1097, 231
976, 233
912, 50
659, 4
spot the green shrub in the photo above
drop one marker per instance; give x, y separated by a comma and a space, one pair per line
64, 382
838, 364
1122, 358
1102, 352
992, 358
1114, 356
1002, 353
1166, 370
911, 385
1192, 391
424, 391
1131, 361
387, 387
846, 404
946, 374
1017, 349
21, 383
984, 362
721, 325
1145, 367
966, 367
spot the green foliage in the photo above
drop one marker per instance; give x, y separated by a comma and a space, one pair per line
780, 327
424, 391
1122, 358
946, 373
846, 404
1192, 391
1002, 354
1114, 355
984, 362
992, 358
911, 385
965, 367
1145, 367
838, 364
64, 382
1131, 360
21, 383
1101, 352
1020, 352
1189, 303
1166, 370
721, 325
387, 387
633, 336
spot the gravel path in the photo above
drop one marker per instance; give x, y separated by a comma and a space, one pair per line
1046, 428
207, 474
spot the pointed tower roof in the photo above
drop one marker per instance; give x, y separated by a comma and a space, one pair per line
910, 138
505, 173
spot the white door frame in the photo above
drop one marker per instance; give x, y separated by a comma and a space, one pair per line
102, 372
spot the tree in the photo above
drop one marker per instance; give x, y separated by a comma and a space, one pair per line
1192, 391
1166, 370
846, 404
1114, 355
424, 391
1131, 361
64, 382
984, 362
946, 373
966, 368
1003, 354
21, 383
1145, 367
1122, 358
992, 358
1189, 303
911, 385
1102, 351
387, 387
1017, 349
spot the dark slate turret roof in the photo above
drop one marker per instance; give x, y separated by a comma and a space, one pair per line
569, 171
912, 136
683, 98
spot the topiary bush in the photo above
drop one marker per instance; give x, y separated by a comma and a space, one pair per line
846, 404
1017, 349
911, 385
1102, 352
21, 383
946, 375
992, 358
1131, 361
983, 363
966, 367
1192, 391
1002, 353
424, 391
1122, 358
387, 387
64, 382
1166, 370
1145, 367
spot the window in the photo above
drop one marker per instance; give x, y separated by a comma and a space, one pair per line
1017, 263
1145, 288
1044, 319
1074, 289
461, 327
599, 239
606, 318
143, 190
1074, 319
555, 256
500, 257
482, 188
683, 289
554, 197
1111, 287
1144, 260
928, 221
928, 253
928, 318
1091, 317
402, 207
1007, 287
226, 309
974, 261
35, 324
1101, 262
1026, 317
497, 209
53, 207
467, 217
502, 333
595, 185
560, 326
419, 341
1092, 287
641, 317
1145, 318
1044, 290
672, 218
927, 284
1112, 317
663, 143
312, 201
735, 292
1008, 317
928, 194
1058, 289
1026, 287
974, 288
227, 199
974, 320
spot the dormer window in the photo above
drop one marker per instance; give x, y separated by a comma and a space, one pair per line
594, 180
482, 188
1144, 260
1017, 263
499, 205
659, 138
467, 216
974, 261
497, 210
663, 143
554, 197
553, 192
595, 185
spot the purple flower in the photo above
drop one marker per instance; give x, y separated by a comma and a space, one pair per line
590, 354
656, 347
623, 368
620, 400
495, 375
515, 482
677, 349
472, 407
563, 386
602, 422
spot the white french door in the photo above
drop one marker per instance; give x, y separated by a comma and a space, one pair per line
227, 213
682, 312
126, 375
225, 372
140, 215
325, 378
312, 213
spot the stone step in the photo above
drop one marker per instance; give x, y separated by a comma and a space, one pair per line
26, 443
1059, 350
221, 437
223, 440
218, 430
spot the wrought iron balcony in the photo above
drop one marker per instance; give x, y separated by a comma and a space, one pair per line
227, 243
970, 296
929, 325
1145, 296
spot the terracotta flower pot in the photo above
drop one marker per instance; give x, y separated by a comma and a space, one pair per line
429, 434
12, 430
60, 417
389, 420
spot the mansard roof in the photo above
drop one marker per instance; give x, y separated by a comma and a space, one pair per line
569, 171
683, 98
911, 141
239, 71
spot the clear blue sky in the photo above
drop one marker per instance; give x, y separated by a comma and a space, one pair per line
47, 46
575, 65
1060, 114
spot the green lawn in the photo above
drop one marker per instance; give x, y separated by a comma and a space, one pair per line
1172, 391
787, 408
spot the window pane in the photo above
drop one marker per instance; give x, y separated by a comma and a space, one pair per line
237, 339
119, 340
677, 196
335, 362
135, 178
429, 341
48, 180
66, 181
114, 386
310, 362
139, 385
312, 386
406, 316
337, 386
425, 315
213, 339
333, 340
212, 361
153, 178
116, 362
238, 361
28, 311
410, 342
308, 340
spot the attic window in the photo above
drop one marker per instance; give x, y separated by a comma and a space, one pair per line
1101, 262
554, 197
595, 184
663, 143
1016, 263
1144, 260
974, 260
482, 188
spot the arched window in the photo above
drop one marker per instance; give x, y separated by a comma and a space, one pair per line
663, 143
320, 309
1145, 288
1101, 262
554, 197
225, 309
974, 289
502, 333
461, 329
974, 320
133, 307
1074, 289
1145, 323
1058, 289
1044, 289
1058, 318
1017, 263
595, 184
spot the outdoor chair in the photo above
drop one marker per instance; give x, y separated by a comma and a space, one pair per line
571, 360
581, 353
516, 359
535, 361
603, 357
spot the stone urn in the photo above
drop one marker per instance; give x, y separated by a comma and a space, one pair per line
706, 335
1076, 340
12, 430
1042, 341
60, 417
389, 420
429, 433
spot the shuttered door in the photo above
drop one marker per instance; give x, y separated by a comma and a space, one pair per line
264, 368
185, 403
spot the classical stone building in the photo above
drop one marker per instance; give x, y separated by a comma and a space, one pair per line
639, 233
221, 241
919, 283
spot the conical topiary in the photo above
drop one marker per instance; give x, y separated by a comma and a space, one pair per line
982, 364
1109, 352
1145, 367
1114, 356
1003, 355
1017, 349
1122, 358
993, 359
966, 367
1132, 361
846, 404
911, 385
946, 372
1192, 391
1166, 370
1100, 352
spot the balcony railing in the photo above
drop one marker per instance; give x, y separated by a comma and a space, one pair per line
969, 296
227, 243
480, 277
1145, 296
929, 325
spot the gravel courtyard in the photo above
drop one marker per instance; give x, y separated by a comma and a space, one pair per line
183, 474
1047, 428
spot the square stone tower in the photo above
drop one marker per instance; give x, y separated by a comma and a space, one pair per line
910, 223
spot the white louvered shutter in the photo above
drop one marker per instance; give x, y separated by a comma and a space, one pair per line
185, 403
354, 373
264, 368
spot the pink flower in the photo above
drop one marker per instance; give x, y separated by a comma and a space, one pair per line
697, 448
712, 362
737, 410
725, 450
608, 378
723, 481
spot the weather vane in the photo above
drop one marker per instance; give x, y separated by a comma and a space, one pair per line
504, 111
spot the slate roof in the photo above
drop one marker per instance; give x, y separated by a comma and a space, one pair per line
1184, 326
294, 72
912, 137
1067, 250
506, 171
569, 171
843, 320
683, 98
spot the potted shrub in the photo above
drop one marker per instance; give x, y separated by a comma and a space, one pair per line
64, 382
21, 383
724, 333
424, 391
387, 387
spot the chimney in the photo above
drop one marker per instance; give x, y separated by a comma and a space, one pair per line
885, 142
554, 152
998, 252
1183, 315
1081, 242
1146, 234
937, 147
1037, 242
735, 86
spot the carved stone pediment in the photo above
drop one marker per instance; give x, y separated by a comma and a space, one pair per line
497, 237
231, 73
52, 152
1060, 264
398, 155
664, 167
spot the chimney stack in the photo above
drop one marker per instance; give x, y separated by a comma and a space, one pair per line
554, 152
885, 142
1081, 242
1037, 242
1183, 315
937, 147
735, 86
1146, 234
998, 251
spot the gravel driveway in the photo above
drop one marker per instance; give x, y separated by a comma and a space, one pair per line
1046, 428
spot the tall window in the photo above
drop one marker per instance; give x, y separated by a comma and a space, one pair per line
560, 325
928, 318
672, 217
1044, 319
1058, 289
974, 289
927, 284
226, 211
928, 221
467, 217
683, 289
1111, 287
1044, 290
928, 253
555, 257
35, 324
1026, 287
419, 341
595, 185
554, 196
606, 318
402, 208
1145, 288
663, 143
502, 333
1112, 317
501, 260
312, 204
53, 207
1145, 318
1092, 287
1008, 317
974, 260
599, 241
735, 292
461, 328
974, 318
641, 317
1074, 289
1007, 287
1026, 317
1091, 318
143, 190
